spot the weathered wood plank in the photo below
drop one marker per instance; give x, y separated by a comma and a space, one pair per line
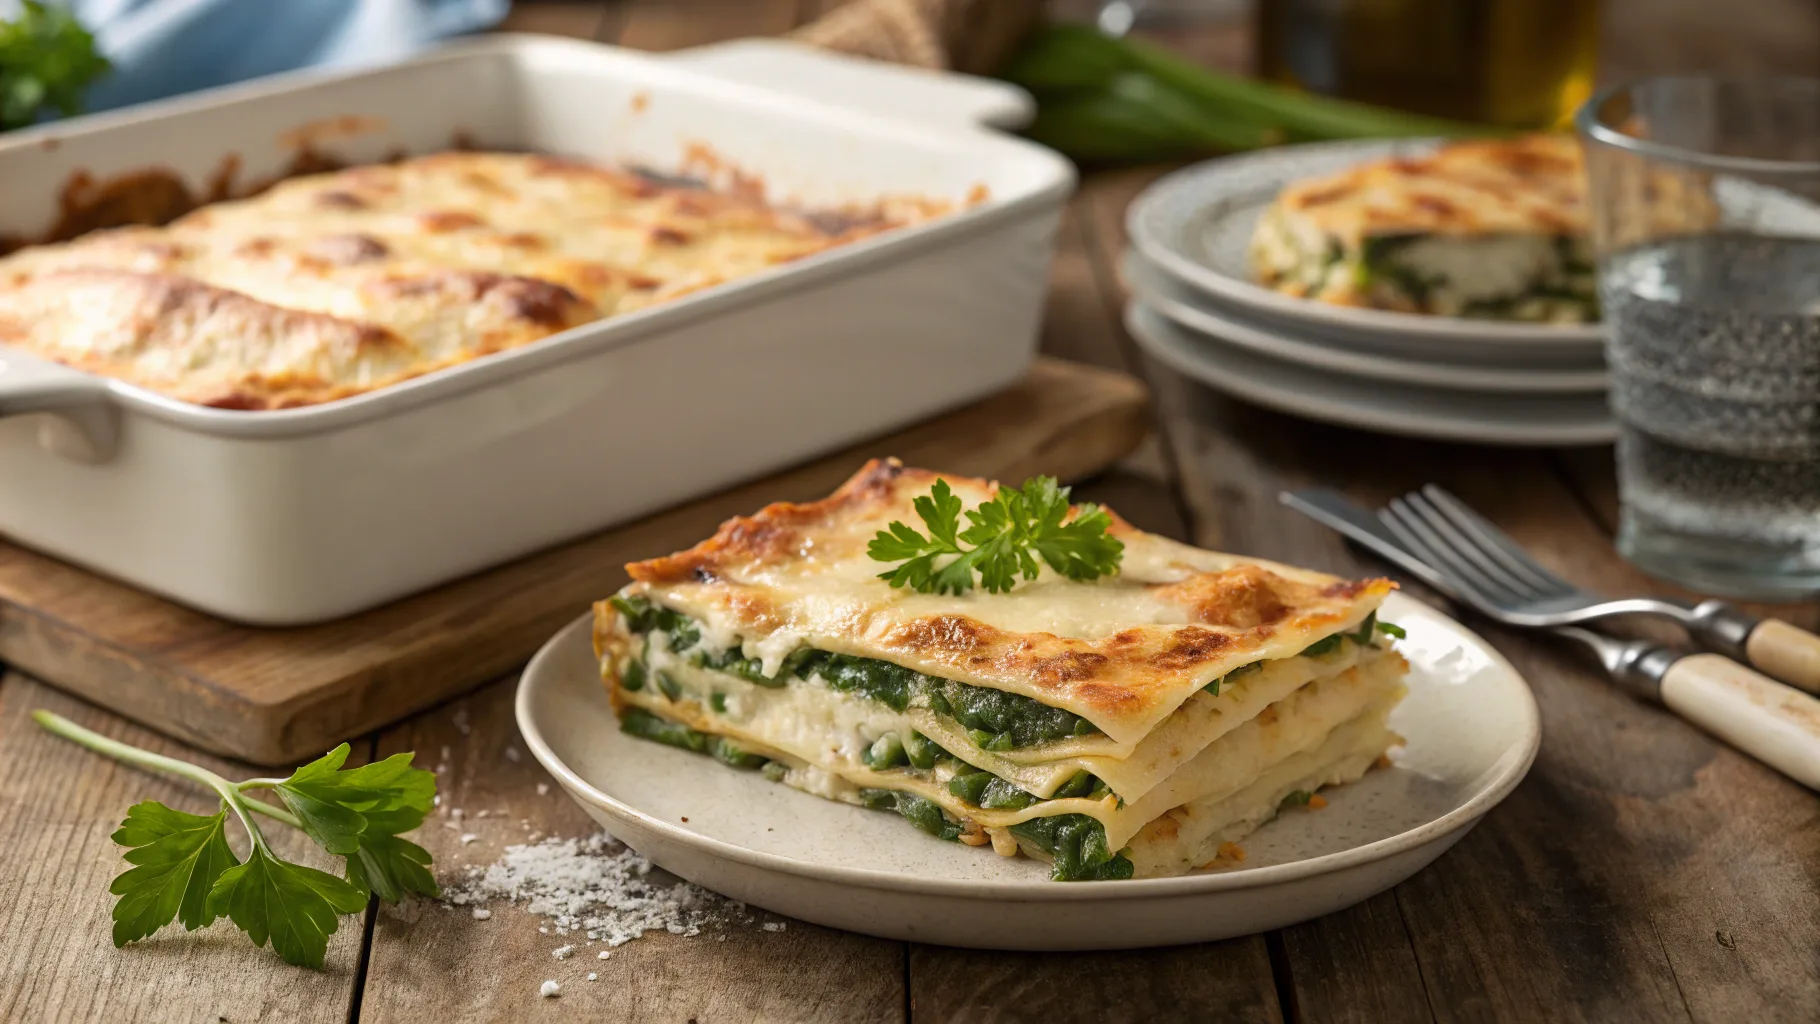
58, 806
429, 963
1370, 933
1221, 981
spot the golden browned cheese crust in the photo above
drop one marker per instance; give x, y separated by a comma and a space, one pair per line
336, 284
1123, 652
1533, 184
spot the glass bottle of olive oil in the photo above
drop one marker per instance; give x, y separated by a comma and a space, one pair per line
1518, 63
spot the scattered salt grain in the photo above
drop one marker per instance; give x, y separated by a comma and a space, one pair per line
451, 826
598, 886
549, 990
445, 751
563, 952
456, 813
461, 721
592, 975
482, 913
543, 789
468, 837
604, 955
482, 814
512, 754
774, 926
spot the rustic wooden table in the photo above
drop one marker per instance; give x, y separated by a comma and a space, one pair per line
1642, 872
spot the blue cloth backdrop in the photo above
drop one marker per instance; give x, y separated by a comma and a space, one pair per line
165, 47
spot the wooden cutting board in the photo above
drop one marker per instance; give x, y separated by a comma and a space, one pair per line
281, 696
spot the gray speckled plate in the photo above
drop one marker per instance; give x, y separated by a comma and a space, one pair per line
1196, 223
1300, 390
1470, 723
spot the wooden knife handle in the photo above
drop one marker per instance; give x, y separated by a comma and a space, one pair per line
1773, 723
1789, 653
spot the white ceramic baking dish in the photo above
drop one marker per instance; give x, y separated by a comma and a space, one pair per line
308, 514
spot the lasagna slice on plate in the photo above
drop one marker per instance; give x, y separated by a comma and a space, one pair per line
1493, 229
1134, 725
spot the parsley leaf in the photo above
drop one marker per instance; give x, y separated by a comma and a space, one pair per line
177, 858
388, 867
333, 804
184, 870
47, 59
1007, 536
295, 906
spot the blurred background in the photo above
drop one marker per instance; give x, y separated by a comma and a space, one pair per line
1516, 63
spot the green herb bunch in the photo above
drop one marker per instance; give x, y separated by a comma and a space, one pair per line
46, 60
1004, 538
184, 870
1106, 100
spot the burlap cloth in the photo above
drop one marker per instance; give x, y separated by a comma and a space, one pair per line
974, 36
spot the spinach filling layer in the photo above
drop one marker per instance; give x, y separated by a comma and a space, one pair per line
1075, 842
1572, 287
994, 719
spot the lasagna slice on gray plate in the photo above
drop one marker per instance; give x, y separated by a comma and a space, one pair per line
1488, 229
1134, 725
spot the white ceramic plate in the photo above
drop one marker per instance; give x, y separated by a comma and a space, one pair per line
1196, 224
1469, 719
1481, 418
1179, 305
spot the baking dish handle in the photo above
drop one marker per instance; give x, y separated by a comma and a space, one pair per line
83, 426
942, 98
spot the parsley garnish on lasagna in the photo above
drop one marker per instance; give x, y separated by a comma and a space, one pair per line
1124, 725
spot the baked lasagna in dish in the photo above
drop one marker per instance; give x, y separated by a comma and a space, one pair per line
335, 284
1489, 229
1133, 725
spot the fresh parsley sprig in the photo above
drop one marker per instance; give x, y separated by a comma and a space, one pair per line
184, 870
1004, 538
47, 59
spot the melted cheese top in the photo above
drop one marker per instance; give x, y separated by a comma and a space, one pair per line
1528, 185
1124, 652
334, 284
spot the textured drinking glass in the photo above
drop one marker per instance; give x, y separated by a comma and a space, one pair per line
1706, 219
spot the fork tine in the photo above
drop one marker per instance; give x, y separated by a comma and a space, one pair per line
1465, 548
1416, 534
1498, 542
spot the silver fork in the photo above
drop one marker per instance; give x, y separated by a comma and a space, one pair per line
1501, 580
1777, 725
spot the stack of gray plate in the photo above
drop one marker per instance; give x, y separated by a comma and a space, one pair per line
1195, 309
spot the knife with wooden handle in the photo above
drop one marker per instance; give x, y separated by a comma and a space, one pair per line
1773, 723
1787, 652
